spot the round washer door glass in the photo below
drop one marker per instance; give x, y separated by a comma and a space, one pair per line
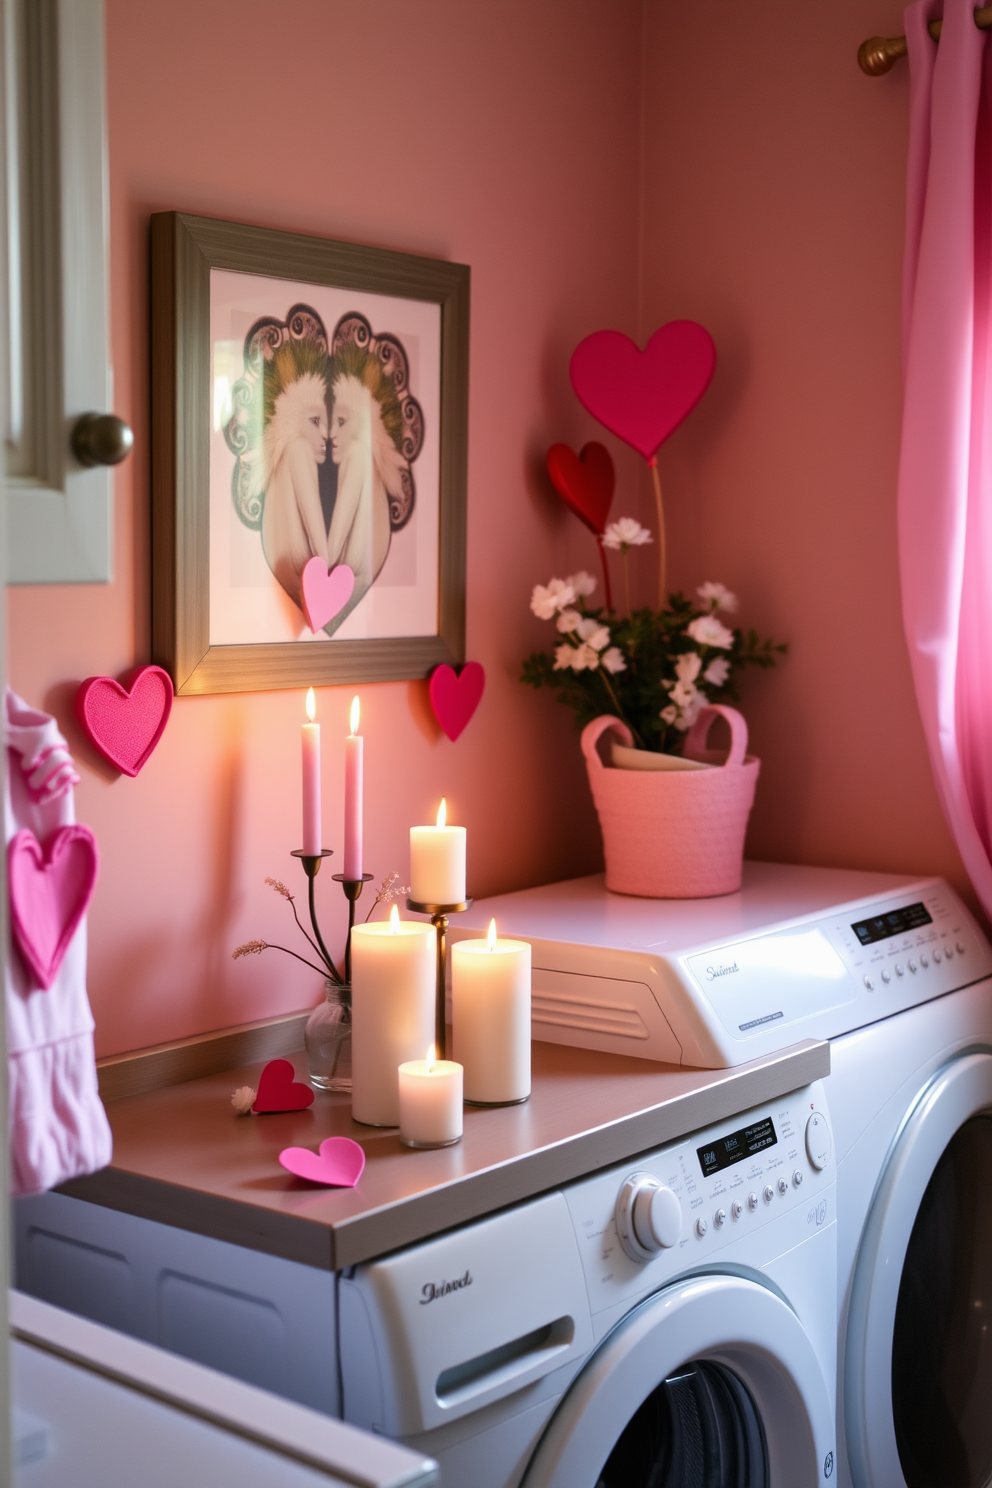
942, 1343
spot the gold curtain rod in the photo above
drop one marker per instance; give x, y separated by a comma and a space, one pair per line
881, 53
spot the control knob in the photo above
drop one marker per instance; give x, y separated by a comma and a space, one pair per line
818, 1140
649, 1217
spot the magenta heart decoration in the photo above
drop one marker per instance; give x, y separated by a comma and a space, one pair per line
325, 591
279, 1090
50, 887
641, 396
584, 481
124, 722
339, 1162
455, 698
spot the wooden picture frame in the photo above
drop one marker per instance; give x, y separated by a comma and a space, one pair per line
185, 250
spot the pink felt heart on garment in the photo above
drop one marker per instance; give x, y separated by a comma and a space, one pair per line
50, 887
584, 482
279, 1090
325, 592
455, 698
339, 1162
125, 722
643, 395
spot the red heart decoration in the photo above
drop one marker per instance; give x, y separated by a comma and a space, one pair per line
455, 698
585, 482
339, 1162
125, 722
49, 889
278, 1089
643, 395
325, 591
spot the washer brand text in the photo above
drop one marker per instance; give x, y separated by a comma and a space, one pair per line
431, 1290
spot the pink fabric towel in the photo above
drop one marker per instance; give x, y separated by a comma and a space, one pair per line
58, 1127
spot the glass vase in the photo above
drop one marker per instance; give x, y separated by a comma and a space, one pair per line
327, 1037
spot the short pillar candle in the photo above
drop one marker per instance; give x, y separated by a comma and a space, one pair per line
430, 1096
393, 972
437, 862
490, 1014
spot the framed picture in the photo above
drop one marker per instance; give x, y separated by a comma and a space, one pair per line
309, 401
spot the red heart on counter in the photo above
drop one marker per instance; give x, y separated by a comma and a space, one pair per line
325, 591
584, 481
643, 395
125, 722
455, 698
279, 1090
338, 1163
49, 888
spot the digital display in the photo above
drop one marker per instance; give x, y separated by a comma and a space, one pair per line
736, 1147
894, 922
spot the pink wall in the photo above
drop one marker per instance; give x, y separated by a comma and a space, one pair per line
500, 134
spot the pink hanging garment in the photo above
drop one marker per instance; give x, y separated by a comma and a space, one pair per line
58, 1127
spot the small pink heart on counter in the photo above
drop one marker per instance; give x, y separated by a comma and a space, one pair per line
50, 887
279, 1090
124, 721
455, 698
338, 1163
325, 591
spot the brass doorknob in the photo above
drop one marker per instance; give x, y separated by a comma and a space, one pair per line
101, 439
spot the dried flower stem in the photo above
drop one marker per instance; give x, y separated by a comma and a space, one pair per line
280, 888
256, 947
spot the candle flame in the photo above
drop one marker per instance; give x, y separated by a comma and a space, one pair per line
394, 920
311, 705
356, 713
442, 813
491, 937
431, 1058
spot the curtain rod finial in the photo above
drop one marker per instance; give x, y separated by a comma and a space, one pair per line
880, 54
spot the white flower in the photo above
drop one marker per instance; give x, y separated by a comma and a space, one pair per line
682, 694
717, 672
563, 657
546, 601
669, 714
584, 658
625, 533
690, 713
243, 1099
687, 666
583, 583
613, 660
568, 621
707, 630
717, 597
596, 634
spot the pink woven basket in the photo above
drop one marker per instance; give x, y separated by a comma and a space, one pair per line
674, 834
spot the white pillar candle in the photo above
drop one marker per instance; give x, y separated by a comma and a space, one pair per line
393, 972
437, 862
490, 1002
430, 1094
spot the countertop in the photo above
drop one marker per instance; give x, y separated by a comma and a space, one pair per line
182, 1156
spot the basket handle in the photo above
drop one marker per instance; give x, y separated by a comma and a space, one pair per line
695, 743
593, 731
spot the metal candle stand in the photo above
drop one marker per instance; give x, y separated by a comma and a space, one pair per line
352, 889
439, 919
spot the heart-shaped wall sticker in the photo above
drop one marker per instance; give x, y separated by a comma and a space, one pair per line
338, 1163
643, 395
584, 481
325, 591
279, 1090
125, 722
49, 889
455, 698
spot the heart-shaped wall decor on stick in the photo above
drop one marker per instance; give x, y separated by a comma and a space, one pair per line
125, 722
584, 481
339, 1162
325, 591
455, 698
279, 1090
641, 396
50, 887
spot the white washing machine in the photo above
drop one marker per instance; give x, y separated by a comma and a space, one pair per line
668, 1323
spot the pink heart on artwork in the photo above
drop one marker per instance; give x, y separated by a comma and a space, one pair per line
325, 591
643, 395
279, 1090
339, 1162
49, 888
125, 722
455, 698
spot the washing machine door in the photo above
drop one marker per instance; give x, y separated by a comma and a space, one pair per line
712, 1383
918, 1363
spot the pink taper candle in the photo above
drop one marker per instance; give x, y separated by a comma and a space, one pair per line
353, 789
311, 782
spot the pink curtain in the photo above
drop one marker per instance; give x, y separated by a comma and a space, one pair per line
945, 469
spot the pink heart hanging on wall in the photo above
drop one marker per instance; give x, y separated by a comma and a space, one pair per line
584, 481
455, 698
325, 591
49, 889
642, 396
124, 723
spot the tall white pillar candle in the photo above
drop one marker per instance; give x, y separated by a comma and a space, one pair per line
490, 1014
393, 971
437, 862
430, 1092
312, 844
353, 797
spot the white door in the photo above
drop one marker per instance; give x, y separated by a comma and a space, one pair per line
712, 1383
918, 1375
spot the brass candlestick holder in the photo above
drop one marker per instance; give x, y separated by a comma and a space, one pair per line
439, 919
